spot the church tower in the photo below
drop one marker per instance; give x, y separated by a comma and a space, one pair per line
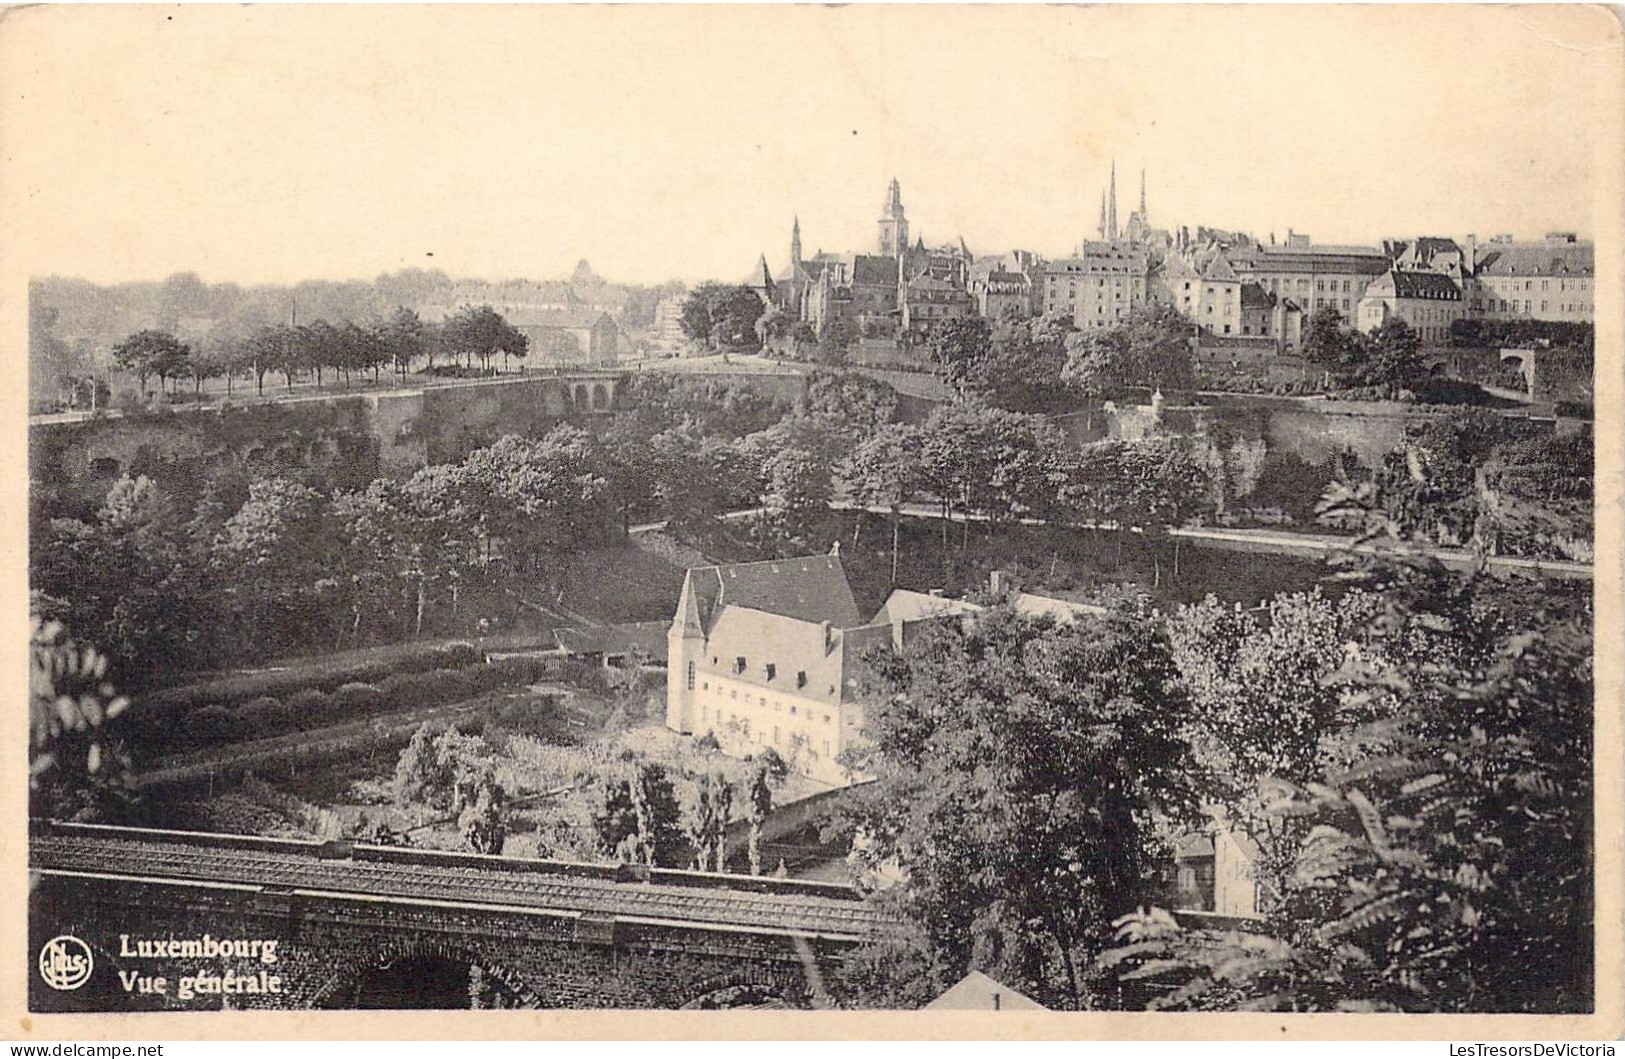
1145, 215
1111, 210
795, 244
893, 224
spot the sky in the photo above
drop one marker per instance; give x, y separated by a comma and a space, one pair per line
273, 144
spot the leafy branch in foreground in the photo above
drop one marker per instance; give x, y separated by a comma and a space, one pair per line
1448, 866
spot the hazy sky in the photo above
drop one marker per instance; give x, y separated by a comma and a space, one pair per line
278, 143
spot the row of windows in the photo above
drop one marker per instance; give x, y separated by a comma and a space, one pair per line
733, 722
1562, 284
762, 701
1503, 305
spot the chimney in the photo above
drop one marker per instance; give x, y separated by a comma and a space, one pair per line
1469, 253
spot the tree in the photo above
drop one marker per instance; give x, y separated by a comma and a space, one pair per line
1020, 766
77, 769
885, 470
734, 312
481, 332
862, 403
1394, 355
638, 818
1446, 866
835, 343
1326, 340
695, 318
149, 353
962, 346
1024, 371
707, 826
278, 549
208, 363
758, 804
1265, 706
484, 822
407, 338
1152, 349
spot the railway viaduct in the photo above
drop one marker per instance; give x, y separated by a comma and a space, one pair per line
368, 926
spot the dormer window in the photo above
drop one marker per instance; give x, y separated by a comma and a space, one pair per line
801, 678
739, 664
772, 671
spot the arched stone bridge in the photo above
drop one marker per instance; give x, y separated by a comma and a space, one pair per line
366, 926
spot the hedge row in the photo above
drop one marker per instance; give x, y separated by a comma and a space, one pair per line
234, 690
156, 728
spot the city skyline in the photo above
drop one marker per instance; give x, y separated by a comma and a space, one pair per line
334, 155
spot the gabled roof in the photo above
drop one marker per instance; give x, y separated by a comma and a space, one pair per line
1176, 267
1255, 297
977, 992
1537, 259
1218, 269
810, 589
760, 278
874, 269
907, 605
1434, 286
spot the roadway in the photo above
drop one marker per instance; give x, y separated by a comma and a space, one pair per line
1276, 542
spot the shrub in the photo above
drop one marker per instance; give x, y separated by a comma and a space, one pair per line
307, 708
263, 716
457, 655
355, 700
210, 726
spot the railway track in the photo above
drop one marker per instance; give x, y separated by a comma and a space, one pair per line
506, 886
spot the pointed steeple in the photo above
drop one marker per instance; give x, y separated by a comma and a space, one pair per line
795, 242
1101, 228
1111, 212
1144, 215
893, 222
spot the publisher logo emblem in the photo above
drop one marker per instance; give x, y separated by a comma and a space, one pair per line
65, 962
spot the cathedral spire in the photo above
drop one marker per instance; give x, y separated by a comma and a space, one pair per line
1144, 214
1101, 227
1111, 212
795, 241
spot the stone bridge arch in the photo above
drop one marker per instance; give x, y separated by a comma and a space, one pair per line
343, 986
1525, 359
746, 988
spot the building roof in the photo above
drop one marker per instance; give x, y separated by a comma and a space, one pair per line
810, 589
906, 605
647, 638
571, 319
1218, 268
1537, 259
1048, 606
1364, 260
977, 992
1255, 297
1434, 286
874, 269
